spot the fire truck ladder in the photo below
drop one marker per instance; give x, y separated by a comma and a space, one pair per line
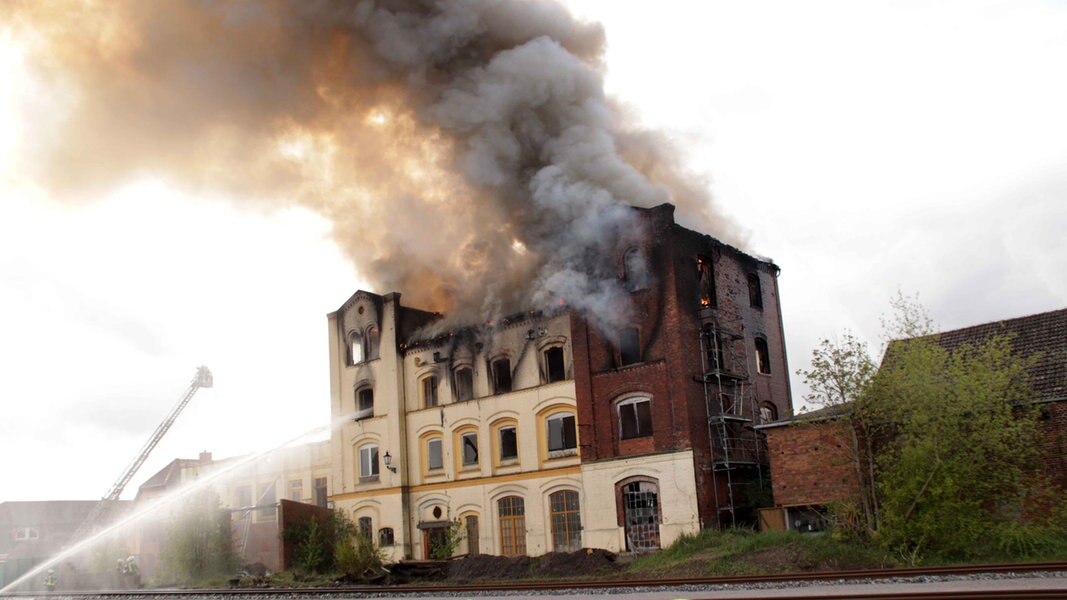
731, 407
202, 379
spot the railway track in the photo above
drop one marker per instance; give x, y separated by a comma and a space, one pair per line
691, 585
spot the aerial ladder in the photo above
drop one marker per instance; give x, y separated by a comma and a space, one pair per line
202, 379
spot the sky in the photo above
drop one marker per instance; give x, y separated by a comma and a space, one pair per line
865, 147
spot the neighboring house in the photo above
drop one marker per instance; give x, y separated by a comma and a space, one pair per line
812, 466
35, 531
250, 492
539, 432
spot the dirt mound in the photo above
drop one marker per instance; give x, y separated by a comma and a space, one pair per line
581, 563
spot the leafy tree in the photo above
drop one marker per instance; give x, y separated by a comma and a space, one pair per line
445, 546
332, 546
198, 546
839, 381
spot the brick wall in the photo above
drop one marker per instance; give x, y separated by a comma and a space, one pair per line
812, 463
1053, 443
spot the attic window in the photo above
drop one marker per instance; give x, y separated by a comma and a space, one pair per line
355, 348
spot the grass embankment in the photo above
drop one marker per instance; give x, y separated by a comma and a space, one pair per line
741, 552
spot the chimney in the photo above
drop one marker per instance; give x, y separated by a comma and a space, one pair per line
205, 457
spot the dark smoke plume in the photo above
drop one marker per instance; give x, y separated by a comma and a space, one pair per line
463, 149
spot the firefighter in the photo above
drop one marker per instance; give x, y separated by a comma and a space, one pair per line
50, 580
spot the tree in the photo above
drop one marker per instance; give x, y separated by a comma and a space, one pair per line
198, 546
839, 379
333, 545
956, 471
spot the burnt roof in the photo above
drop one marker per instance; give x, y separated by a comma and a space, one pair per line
1043, 336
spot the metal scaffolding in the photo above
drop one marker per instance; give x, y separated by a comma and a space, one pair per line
732, 408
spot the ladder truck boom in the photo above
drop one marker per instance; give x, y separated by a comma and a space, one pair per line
202, 379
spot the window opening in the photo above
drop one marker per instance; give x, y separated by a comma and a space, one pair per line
385, 536
244, 496
472, 535
635, 270
429, 391
763, 357
768, 412
320, 492
364, 403
370, 343
464, 384
755, 293
566, 521
501, 376
368, 462
268, 501
707, 282
509, 444
561, 433
629, 348
470, 449
296, 490
355, 348
512, 526
366, 528
635, 417
554, 367
433, 455
641, 513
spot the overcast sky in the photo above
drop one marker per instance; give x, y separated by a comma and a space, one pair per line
866, 147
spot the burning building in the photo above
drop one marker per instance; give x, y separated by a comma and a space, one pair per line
555, 429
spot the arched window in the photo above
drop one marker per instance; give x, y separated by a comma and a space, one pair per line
434, 458
635, 270
512, 511
768, 412
472, 534
501, 370
368, 462
641, 517
366, 528
566, 521
464, 384
555, 369
370, 343
635, 417
755, 291
428, 391
763, 357
355, 348
562, 435
364, 402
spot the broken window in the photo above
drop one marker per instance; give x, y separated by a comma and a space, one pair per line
561, 432
707, 282
554, 367
635, 417
470, 449
509, 444
768, 412
385, 536
501, 376
763, 357
464, 384
364, 403
429, 391
629, 348
755, 293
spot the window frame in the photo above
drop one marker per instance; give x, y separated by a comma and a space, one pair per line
355, 348
562, 513
763, 356
364, 391
495, 372
622, 346
374, 471
386, 536
430, 468
564, 449
469, 370
634, 401
511, 519
632, 280
555, 350
755, 290
428, 388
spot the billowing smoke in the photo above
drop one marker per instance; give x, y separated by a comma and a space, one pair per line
463, 149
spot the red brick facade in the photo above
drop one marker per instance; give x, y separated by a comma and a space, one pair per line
669, 317
812, 463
